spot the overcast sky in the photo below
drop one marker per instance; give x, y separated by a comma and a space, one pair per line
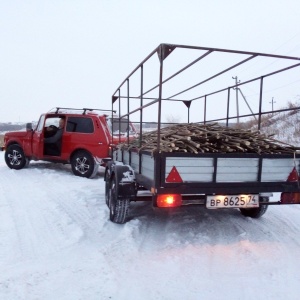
75, 53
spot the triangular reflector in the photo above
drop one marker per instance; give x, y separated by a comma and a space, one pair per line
293, 176
174, 176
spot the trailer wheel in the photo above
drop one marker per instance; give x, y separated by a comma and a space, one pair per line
256, 212
107, 187
15, 157
118, 207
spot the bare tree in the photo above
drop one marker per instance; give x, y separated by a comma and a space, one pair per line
173, 119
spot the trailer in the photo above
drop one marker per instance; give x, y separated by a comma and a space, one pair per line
237, 180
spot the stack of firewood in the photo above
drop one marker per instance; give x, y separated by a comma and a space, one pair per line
209, 138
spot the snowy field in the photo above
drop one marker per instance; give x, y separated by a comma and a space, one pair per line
56, 243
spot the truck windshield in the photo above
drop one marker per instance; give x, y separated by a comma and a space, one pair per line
40, 124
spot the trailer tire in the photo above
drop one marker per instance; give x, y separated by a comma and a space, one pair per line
118, 207
107, 180
256, 212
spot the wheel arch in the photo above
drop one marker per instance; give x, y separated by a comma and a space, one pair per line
125, 179
119, 170
13, 142
78, 150
20, 144
16, 143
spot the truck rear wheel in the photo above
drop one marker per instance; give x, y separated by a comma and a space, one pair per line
83, 164
118, 207
256, 212
15, 157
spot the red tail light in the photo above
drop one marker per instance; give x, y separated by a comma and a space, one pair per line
290, 198
169, 200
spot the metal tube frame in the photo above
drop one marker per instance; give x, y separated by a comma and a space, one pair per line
160, 51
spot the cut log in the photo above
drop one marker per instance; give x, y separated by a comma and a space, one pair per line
209, 138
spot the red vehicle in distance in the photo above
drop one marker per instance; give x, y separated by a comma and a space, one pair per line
80, 137
120, 129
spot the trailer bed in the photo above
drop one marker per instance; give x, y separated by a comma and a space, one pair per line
213, 173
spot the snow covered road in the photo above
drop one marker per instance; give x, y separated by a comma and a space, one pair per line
56, 243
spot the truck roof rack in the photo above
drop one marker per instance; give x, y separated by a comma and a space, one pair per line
81, 109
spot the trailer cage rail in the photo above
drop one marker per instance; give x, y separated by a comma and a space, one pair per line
163, 51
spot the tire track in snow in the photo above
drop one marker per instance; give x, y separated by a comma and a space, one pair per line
46, 220
84, 204
283, 248
39, 225
241, 245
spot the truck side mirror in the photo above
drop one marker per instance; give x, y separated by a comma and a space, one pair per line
28, 126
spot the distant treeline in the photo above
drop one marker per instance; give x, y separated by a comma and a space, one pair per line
11, 127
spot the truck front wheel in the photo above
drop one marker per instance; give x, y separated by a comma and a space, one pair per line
83, 164
15, 157
256, 212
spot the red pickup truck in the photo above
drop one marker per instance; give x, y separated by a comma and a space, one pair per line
81, 137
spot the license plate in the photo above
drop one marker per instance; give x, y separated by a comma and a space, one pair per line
232, 201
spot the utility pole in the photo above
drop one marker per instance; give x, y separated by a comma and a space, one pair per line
237, 98
237, 89
272, 104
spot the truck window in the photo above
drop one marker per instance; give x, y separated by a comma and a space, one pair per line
80, 124
123, 125
52, 121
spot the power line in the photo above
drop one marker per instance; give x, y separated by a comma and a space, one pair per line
273, 51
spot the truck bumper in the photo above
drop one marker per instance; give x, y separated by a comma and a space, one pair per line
102, 161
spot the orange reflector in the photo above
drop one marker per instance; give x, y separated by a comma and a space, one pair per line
287, 198
174, 176
110, 151
169, 200
293, 176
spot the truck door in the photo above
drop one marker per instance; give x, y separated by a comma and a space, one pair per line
53, 133
37, 139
